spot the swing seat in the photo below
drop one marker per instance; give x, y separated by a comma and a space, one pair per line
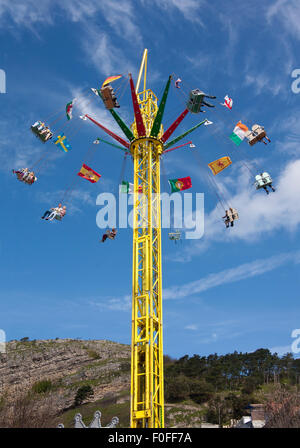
43, 137
20, 177
107, 97
46, 136
175, 236
256, 135
58, 217
195, 101
34, 129
263, 180
29, 182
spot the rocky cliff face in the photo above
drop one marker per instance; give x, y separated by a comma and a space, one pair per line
63, 366
68, 364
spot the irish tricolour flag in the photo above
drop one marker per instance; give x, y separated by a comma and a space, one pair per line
239, 133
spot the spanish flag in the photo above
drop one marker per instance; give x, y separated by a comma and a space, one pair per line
219, 165
180, 184
87, 173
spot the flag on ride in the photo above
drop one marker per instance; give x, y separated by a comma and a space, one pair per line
127, 187
111, 79
83, 117
207, 123
69, 108
63, 143
239, 133
96, 92
219, 165
228, 102
87, 173
192, 145
183, 183
97, 141
177, 82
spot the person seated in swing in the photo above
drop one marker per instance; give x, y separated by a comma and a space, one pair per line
53, 212
21, 173
45, 134
234, 214
57, 213
111, 234
37, 127
264, 180
42, 131
109, 97
197, 99
24, 175
257, 134
28, 177
228, 218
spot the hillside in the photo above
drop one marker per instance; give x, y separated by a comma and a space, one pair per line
40, 379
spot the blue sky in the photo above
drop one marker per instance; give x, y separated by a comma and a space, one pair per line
234, 289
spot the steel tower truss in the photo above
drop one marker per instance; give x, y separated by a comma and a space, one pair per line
147, 142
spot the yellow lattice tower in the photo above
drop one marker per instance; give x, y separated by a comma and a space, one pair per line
146, 142
147, 397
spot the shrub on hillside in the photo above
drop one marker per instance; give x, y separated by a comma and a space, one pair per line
83, 393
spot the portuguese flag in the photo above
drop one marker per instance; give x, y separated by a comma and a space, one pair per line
183, 183
87, 173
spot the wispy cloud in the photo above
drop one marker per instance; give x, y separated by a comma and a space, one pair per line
288, 13
242, 272
190, 9
262, 82
119, 16
191, 327
106, 57
112, 303
176, 292
73, 198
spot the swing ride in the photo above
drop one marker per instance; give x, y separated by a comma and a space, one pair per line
147, 143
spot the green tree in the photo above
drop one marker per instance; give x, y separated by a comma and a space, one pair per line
83, 393
176, 388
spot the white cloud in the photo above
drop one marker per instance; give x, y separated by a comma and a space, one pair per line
113, 303
106, 57
71, 197
120, 16
190, 9
260, 215
289, 128
262, 82
288, 13
191, 327
242, 272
